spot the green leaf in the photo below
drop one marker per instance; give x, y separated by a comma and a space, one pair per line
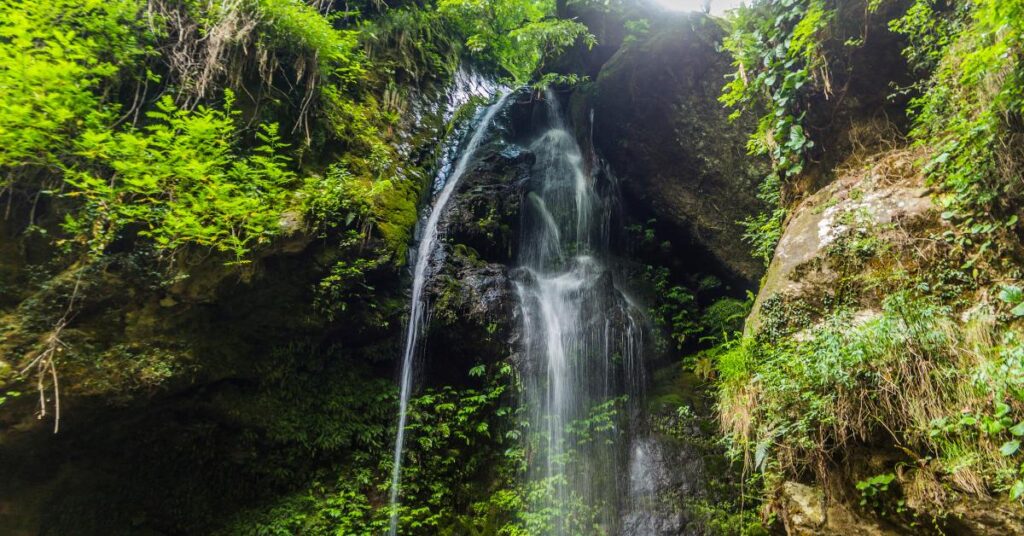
1011, 294
1002, 409
1018, 310
1010, 447
1017, 490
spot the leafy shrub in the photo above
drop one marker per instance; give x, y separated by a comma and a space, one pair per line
57, 58
182, 180
972, 108
789, 404
516, 35
777, 52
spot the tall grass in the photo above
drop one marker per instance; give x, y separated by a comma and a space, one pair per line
895, 379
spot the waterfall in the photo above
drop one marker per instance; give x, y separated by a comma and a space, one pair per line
582, 343
417, 305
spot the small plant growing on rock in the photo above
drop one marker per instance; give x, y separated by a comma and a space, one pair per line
875, 493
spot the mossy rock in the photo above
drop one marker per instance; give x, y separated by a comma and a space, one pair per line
841, 239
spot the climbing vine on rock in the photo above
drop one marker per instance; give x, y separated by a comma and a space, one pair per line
776, 49
971, 111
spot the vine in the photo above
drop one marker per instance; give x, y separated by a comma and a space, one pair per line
777, 53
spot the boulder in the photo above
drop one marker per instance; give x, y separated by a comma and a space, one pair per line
806, 512
882, 202
658, 123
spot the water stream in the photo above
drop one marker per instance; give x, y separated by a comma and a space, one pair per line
582, 342
418, 306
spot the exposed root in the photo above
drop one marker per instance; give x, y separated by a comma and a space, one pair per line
204, 57
44, 363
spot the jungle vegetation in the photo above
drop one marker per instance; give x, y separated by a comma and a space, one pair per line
151, 146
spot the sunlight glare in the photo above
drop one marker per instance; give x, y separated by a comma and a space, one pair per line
717, 7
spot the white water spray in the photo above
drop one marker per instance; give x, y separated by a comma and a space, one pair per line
581, 341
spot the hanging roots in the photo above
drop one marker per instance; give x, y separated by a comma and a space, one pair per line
220, 52
44, 363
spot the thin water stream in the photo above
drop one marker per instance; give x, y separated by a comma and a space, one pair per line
418, 306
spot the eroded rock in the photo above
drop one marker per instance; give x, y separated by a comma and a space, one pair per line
806, 512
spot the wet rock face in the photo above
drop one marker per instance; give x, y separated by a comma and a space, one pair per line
657, 121
484, 214
474, 309
662, 474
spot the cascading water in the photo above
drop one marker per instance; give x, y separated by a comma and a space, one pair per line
582, 343
418, 306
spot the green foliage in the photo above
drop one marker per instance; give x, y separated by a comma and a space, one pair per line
873, 491
549, 503
335, 199
341, 200
776, 49
764, 230
298, 27
675, 309
459, 475
788, 403
516, 35
57, 58
930, 27
113, 110
345, 284
725, 316
971, 109
411, 41
457, 436
9, 395
190, 177
1013, 295
181, 181
635, 29
334, 413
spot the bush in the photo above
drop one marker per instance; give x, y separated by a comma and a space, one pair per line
972, 109
182, 180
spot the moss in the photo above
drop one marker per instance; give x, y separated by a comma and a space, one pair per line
468, 255
449, 300
781, 317
672, 387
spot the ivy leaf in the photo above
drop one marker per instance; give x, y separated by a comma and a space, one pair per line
1018, 429
1002, 409
1010, 447
1011, 294
760, 455
1017, 490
